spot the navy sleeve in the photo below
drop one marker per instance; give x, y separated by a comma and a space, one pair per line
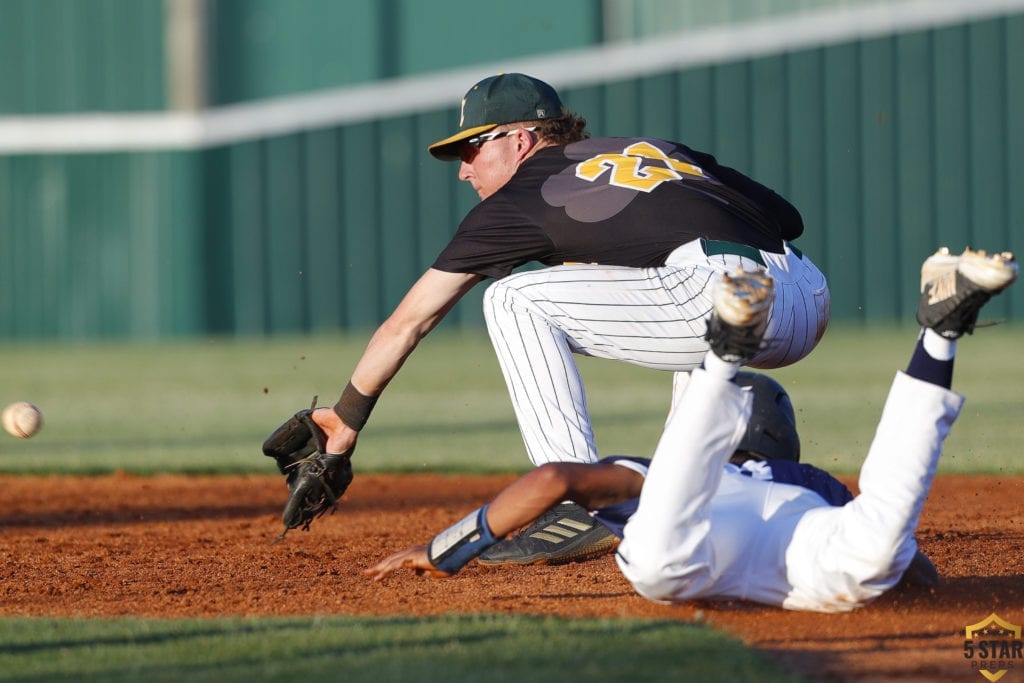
615, 516
810, 477
804, 475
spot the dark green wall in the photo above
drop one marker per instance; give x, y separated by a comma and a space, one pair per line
264, 48
889, 147
101, 245
81, 55
108, 55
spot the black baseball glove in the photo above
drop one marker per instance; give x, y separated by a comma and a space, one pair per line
316, 479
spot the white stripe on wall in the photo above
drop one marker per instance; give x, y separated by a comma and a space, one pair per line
112, 132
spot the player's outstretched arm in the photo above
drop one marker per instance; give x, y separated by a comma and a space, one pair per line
314, 447
419, 312
593, 486
524, 500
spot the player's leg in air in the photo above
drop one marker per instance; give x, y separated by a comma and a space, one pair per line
690, 523
702, 533
851, 555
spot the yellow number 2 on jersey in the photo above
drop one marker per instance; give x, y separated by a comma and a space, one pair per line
628, 168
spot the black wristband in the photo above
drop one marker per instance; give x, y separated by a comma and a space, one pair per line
354, 408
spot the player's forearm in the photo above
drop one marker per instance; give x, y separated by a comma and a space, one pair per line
525, 499
422, 308
592, 485
516, 505
386, 352
381, 361
451, 549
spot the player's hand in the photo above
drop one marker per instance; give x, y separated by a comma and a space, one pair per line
340, 437
414, 558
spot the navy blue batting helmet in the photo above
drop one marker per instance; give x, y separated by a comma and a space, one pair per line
771, 432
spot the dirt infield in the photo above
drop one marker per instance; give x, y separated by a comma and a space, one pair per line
175, 546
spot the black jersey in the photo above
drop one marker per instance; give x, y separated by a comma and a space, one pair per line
618, 202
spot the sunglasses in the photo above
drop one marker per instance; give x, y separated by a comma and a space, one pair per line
478, 140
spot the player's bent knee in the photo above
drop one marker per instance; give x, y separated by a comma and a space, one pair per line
861, 578
494, 295
499, 297
669, 588
655, 591
660, 581
505, 299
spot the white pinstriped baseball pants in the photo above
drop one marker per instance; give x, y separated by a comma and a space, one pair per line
651, 317
704, 531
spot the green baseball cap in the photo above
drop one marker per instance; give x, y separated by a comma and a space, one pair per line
496, 100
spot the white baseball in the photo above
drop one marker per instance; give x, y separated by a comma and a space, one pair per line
22, 419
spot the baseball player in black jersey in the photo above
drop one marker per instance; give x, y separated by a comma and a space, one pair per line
633, 233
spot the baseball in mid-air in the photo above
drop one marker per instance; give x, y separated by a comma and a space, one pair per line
22, 419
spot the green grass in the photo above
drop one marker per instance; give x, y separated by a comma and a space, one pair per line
205, 407
471, 649
840, 389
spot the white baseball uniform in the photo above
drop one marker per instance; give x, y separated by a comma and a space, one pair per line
704, 530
